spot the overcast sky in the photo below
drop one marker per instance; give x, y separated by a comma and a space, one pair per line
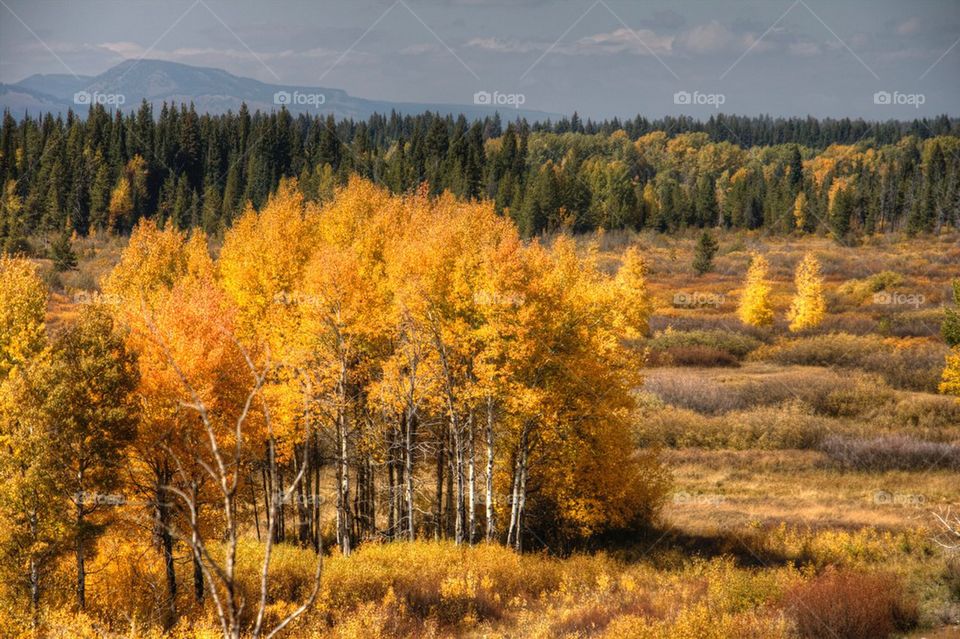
602, 58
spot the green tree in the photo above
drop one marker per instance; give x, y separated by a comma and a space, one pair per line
61, 252
89, 405
950, 328
704, 253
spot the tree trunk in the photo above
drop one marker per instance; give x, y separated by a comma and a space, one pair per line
491, 521
471, 482
163, 522
81, 558
197, 568
438, 509
409, 439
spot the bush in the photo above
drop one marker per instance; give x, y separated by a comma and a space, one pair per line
913, 364
891, 453
825, 392
698, 356
848, 604
786, 426
736, 344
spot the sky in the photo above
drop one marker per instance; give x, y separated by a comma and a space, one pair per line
878, 59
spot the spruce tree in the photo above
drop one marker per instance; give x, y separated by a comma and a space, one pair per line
704, 253
61, 252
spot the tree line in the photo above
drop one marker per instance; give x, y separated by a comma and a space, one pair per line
109, 170
373, 368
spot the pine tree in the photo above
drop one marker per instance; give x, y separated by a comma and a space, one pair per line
61, 252
950, 328
703, 255
755, 307
809, 306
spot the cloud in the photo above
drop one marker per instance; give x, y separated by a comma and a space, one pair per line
498, 45
712, 37
421, 49
639, 41
910, 26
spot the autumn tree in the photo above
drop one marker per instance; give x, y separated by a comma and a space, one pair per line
809, 305
755, 307
34, 520
88, 400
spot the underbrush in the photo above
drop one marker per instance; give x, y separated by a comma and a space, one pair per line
911, 364
891, 453
824, 392
850, 604
436, 589
672, 347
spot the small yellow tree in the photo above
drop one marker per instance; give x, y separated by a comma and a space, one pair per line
755, 307
809, 306
950, 381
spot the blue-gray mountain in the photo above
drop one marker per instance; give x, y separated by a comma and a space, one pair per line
211, 91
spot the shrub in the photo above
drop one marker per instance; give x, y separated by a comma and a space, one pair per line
891, 453
737, 344
849, 604
913, 364
924, 412
699, 356
835, 349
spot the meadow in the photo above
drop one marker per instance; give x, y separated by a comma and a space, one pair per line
805, 471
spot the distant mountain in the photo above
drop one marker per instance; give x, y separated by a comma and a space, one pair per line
212, 91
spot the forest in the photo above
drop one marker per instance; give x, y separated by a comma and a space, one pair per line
416, 377
846, 177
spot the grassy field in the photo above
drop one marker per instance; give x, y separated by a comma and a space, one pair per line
806, 470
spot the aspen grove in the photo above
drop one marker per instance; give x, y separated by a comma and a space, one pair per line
374, 368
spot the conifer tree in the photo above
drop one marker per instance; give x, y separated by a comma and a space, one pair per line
704, 253
950, 328
64, 259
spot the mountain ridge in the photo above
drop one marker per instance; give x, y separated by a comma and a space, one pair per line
212, 90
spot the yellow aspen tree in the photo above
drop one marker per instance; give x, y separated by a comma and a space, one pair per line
636, 305
23, 305
809, 306
755, 306
800, 211
950, 381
